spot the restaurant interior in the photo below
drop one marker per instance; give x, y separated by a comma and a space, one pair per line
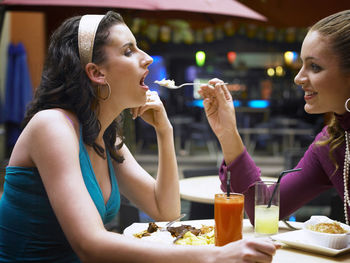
258, 57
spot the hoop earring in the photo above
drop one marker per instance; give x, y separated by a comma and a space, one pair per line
109, 91
346, 104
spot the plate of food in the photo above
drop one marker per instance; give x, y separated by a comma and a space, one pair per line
193, 232
320, 235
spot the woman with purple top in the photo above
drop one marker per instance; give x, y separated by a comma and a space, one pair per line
325, 78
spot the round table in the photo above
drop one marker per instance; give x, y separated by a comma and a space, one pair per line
202, 189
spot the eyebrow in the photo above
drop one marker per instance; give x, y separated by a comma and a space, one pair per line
309, 58
129, 44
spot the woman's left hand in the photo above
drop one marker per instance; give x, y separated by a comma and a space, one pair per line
152, 112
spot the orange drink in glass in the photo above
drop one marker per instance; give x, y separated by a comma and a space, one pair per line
228, 214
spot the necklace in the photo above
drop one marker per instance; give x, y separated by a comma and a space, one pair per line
346, 177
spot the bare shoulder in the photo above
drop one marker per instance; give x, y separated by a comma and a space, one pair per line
50, 116
48, 129
53, 136
53, 122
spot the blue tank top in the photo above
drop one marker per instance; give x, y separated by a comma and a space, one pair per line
29, 230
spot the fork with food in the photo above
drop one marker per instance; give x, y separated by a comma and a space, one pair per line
170, 84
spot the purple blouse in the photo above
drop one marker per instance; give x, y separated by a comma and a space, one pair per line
298, 188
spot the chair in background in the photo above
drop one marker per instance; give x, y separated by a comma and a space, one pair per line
200, 210
200, 134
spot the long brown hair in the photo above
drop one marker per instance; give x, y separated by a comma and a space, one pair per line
336, 28
64, 83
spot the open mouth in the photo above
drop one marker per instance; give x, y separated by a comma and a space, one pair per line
310, 93
142, 81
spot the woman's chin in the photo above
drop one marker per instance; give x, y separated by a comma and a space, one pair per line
313, 110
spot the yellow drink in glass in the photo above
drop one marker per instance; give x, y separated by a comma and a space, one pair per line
266, 219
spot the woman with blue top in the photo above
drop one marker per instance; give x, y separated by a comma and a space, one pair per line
69, 165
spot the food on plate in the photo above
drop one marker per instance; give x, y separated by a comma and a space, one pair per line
206, 229
166, 83
202, 239
179, 231
183, 234
152, 227
326, 232
329, 228
142, 234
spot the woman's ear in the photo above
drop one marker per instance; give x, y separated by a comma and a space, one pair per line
94, 73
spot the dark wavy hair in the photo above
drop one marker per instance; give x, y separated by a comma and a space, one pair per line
64, 83
336, 28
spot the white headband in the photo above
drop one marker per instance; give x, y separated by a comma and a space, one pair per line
86, 36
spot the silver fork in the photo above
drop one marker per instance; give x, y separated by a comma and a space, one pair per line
182, 85
188, 84
290, 226
164, 228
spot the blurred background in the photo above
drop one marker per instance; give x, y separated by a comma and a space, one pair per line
253, 45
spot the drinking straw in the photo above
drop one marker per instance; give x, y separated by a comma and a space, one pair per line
228, 185
278, 183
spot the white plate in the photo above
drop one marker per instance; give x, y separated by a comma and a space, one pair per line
298, 239
163, 237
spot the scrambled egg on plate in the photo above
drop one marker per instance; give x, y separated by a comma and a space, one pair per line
201, 239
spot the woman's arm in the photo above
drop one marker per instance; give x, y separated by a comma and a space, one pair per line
159, 198
244, 173
54, 148
296, 188
144, 191
220, 112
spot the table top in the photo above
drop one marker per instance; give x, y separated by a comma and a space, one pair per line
202, 189
286, 254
